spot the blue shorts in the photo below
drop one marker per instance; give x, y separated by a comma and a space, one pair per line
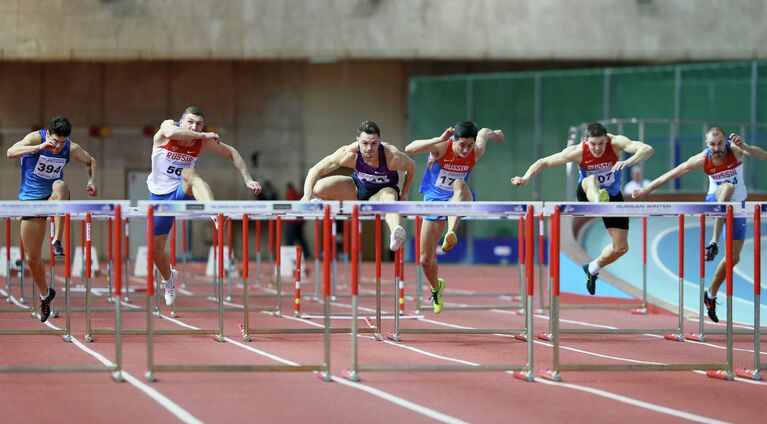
434, 197
738, 224
163, 224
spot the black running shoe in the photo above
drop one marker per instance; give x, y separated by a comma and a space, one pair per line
710, 307
58, 250
711, 251
45, 305
591, 280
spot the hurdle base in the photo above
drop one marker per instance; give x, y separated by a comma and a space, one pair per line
521, 337
696, 337
352, 375
638, 311
748, 373
674, 337
524, 376
393, 336
550, 375
544, 336
720, 374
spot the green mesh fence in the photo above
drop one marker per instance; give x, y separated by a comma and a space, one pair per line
537, 109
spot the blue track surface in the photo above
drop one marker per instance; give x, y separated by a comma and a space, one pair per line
662, 265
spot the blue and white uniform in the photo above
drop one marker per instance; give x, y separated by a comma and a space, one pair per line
729, 171
40, 170
441, 174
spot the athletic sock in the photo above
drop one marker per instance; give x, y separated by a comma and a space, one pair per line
594, 267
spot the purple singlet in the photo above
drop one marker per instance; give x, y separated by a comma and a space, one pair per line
374, 179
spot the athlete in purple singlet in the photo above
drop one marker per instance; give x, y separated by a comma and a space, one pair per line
375, 177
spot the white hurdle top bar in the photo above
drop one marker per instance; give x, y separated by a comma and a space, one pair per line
443, 208
76, 208
645, 208
236, 209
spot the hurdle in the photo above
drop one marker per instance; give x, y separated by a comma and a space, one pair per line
700, 335
720, 370
476, 209
448, 306
175, 308
291, 210
219, 208
83, 210
755, 373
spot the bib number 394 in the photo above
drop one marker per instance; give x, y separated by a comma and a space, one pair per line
49, 168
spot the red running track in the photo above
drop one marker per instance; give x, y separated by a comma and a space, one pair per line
382, 396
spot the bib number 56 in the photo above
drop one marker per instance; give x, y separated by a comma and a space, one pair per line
174, 170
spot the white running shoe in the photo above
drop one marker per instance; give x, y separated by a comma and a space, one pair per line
170, 288
397, 238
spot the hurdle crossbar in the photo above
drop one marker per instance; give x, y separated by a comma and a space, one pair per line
721, 370
475, 209
243, 209
82, 210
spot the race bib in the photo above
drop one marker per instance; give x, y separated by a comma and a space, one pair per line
605, 179
49, 168
445, 179
373, 179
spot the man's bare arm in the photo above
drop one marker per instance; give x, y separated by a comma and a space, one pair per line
430, 145
639, 152
747, 149
229, 152
691, 164
79, 154
484, 135
402, 162
569, 154
328, 164
30, 144
169, 130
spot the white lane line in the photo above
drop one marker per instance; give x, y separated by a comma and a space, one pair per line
634, 402
158, 397
420, 409
591, 390
399, 401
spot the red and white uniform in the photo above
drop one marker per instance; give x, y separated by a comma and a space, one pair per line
729, 171
601, 167
168, 161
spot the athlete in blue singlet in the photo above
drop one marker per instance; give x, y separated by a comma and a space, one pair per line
375, 176
44, 154
451, 158
722, 162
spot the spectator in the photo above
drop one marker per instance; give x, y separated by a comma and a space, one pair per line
637, 181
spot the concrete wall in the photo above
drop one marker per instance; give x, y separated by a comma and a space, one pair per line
291, 113
655, 30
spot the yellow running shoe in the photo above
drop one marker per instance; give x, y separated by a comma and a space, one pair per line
436, 296
604, 196
449, 242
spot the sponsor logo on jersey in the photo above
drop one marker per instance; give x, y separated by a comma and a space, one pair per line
179, 156
598, 166
456, 168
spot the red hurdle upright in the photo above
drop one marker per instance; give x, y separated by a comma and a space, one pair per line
297, 275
